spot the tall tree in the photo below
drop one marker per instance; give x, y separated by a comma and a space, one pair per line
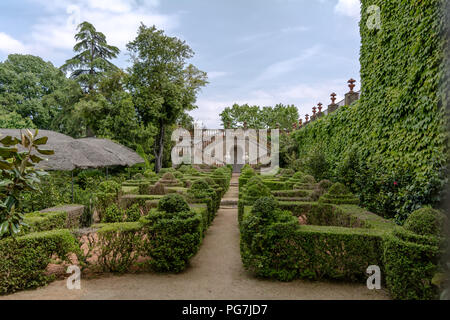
92, 60
163, 85
26, 81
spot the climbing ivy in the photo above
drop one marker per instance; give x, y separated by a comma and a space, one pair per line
397, 128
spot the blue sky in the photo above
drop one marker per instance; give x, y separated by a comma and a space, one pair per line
259, 52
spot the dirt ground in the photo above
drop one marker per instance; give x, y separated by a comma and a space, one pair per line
216, 272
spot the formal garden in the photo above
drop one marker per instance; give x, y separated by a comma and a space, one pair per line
149, 222
293, 226
362, 186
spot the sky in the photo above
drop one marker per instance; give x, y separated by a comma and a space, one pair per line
260, 52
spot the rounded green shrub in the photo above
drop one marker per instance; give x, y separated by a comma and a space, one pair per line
138, 176
265, 207
338, 189
247, 173
173, 203
325, 184
133, 213
298, 175
149, 174
307, 179
426, 222
339, 194
168, 176
109, 186
165, 170
113, 214
200, 185
178, 175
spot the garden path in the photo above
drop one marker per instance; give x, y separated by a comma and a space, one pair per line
216, 272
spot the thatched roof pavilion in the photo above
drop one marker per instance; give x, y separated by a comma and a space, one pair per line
84, 153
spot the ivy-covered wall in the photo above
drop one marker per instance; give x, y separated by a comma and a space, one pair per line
397, 128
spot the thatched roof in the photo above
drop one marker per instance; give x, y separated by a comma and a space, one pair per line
81, 153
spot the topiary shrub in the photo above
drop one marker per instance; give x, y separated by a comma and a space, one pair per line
255, 189
166, 170
297, 175
113, 214
158, 189
168, 176
222, 177
173, 203
410, 262
150, 174
246, 174
138, 176
261, 230
265, 208
109, 186
426, 222
172, 239
285, 173
307, 179
133, 213
325, 184
339, 194
178, 175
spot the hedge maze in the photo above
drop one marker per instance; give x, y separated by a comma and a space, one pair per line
136, 228
317, 231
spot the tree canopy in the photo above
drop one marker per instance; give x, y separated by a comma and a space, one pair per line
26, 84
92, 60
163, 85
259, 118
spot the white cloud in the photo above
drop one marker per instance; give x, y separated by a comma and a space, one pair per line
10, 45
117, 19
281, 67
350, 8
217, 74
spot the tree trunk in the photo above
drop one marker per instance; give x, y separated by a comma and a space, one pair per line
159, 147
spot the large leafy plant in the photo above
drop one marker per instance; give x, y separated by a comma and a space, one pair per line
18, 174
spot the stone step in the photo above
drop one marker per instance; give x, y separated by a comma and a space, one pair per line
229, 202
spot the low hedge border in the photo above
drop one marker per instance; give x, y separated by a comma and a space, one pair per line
24, 260
44, 221
288, 251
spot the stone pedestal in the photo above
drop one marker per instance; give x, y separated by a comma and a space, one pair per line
332, 107
351, 97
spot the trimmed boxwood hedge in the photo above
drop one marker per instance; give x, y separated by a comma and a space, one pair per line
284, 250
173, 238
411, 262
23, 261
44, 221
341, 243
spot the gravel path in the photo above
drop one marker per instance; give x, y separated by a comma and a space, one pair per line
216, 272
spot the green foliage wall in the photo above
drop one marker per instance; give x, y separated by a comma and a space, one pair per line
398, 125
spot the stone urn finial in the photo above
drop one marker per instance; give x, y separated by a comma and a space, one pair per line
333, 98
320, 107
351, 84
314, 110
307, 117
277, 125
300, 122
245, 125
